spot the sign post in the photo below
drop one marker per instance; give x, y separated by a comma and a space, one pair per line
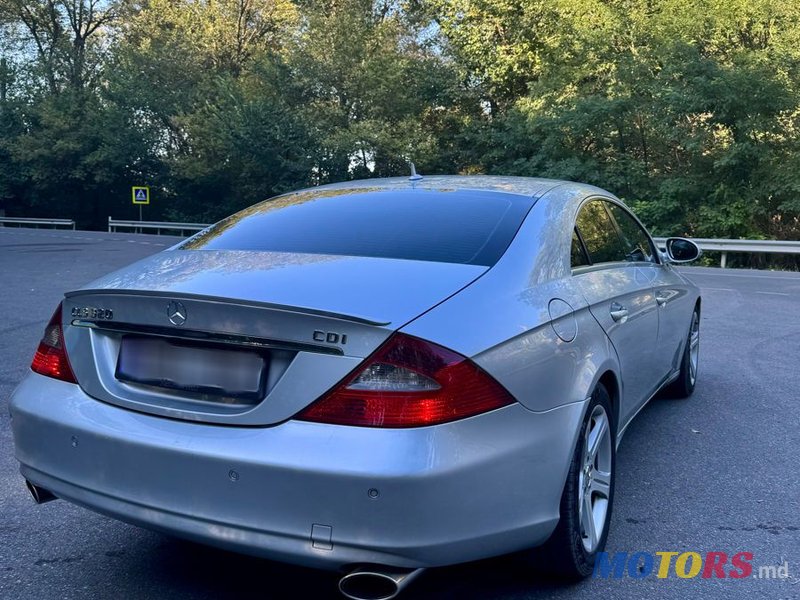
140, 194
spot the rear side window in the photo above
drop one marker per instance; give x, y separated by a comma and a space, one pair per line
638, 247
469, 227
599, 233
578, 256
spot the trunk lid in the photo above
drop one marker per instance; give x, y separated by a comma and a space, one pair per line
308, 319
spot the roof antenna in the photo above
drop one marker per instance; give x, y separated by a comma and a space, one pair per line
414, 176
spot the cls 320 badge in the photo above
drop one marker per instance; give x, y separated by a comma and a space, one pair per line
90, 312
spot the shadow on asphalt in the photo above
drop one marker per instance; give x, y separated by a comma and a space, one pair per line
188, 569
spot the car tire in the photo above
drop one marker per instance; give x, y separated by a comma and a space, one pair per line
684, 385
566, 554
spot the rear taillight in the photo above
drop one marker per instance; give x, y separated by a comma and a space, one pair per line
51, 356
409, 382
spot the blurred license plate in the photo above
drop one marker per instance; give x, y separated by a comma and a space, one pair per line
222, 372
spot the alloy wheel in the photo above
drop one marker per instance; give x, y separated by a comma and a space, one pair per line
595, 479
694, 347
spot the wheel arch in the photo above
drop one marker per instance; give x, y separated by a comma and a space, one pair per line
610, 381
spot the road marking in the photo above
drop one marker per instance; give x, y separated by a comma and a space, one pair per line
713, 289
703, 273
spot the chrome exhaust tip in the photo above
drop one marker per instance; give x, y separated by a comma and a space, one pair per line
39, 494
376, 582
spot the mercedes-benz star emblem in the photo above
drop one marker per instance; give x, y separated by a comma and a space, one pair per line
176, 312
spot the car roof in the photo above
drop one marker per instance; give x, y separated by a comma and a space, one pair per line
531, 187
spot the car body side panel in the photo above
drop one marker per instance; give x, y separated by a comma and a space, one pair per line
540, 369
503, 320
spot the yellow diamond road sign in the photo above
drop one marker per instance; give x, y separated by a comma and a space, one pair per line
140, 194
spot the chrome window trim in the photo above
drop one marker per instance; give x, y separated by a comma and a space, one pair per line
605, 265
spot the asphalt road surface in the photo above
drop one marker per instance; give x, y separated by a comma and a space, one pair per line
717, 472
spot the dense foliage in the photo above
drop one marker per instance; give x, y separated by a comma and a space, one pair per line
687, 109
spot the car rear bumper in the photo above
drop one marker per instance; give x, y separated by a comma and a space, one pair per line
306, 493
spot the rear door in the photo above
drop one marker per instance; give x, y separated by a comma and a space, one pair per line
616, 281
671, 292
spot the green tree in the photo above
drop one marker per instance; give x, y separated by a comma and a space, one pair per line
688, 109
377, 94
208, 86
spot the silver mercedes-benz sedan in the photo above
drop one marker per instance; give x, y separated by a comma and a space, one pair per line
375, 376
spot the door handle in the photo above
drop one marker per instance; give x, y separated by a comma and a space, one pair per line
618, 312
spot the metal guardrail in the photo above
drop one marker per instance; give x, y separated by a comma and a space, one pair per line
747, 246
138, 226
37, 222
712, 245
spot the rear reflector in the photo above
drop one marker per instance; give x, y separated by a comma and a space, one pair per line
51, 356
409, 382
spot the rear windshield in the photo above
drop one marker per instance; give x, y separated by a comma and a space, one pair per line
469, 227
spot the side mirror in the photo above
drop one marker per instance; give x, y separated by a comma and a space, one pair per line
681, 250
